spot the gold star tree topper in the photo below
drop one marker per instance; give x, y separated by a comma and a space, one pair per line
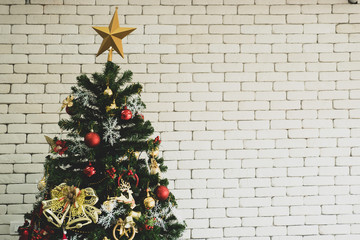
112, 36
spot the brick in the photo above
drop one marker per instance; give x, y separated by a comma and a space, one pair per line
157, 10
173, 19
269, 19
26, 9
12, 19
61, 29
253, 9
189, 10
206, 19
87, 10
285, 9
13, 58
59, 9
49, 39
41, 19
288, 28
29, 48
301, 18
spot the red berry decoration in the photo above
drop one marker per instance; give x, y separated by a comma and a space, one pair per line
70, 110
89, 170
126, 114
92, 139
162, 193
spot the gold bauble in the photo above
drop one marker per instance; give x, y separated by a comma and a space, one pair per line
154, 167
108, 91
41, 184
154, 171
149, 202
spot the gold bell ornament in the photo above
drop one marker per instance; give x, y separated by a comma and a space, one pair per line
149, 202
154, 167
41, 184
72, 203
108, 91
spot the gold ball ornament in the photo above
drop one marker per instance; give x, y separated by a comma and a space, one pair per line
41, 184
108, 91
149, 202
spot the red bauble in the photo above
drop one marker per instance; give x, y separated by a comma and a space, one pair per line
89, 170
70, 110
92, 139
126, 114
141, 116
24, 235
162, 193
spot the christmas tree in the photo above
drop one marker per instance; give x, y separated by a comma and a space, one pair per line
103, 181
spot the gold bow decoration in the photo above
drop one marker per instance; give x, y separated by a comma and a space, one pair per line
125, 227
72, 203
67, 102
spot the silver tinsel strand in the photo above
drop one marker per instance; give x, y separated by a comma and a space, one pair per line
111, 133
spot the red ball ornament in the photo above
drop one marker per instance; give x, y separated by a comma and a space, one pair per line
162, 193
89, 170
70, 110
140, 116
24, 235
92, 139
126, 114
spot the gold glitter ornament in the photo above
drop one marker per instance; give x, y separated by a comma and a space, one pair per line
111, 107
108, 91
149, 202
154, 167
41, 184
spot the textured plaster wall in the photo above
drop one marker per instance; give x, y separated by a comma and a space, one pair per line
257, 103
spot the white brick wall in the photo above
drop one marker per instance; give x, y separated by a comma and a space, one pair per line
256, 101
